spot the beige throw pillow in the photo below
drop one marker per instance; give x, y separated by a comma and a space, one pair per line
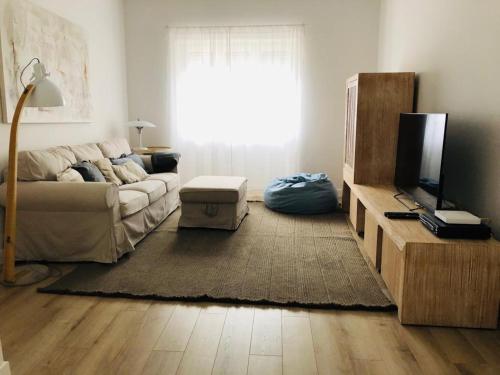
70, 175
44, 165
86, 152
130, 172
106, 169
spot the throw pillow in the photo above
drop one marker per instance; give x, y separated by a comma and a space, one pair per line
130, 172
106, 169
89, 172
70, 175
164, 161
124, 158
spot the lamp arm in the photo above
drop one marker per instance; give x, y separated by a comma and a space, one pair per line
26, 67
9, 250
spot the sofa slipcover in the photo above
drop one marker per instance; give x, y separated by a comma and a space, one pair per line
153, 189
84, 221
132, 201
171, 180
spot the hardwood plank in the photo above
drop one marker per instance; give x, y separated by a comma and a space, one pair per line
369, 367
298, 355
211, 308
62, 361
100, 356
201, 350
19, 309
332, 356
137, 304
487, 343
480, 369
456, 347
135, 353
294, 311
358, 336
39, 347
176, 335
428, 354
265, 364
86, 332
161, 362
234, 346
266, 335
396, 354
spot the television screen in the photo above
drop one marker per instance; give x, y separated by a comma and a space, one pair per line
419, 171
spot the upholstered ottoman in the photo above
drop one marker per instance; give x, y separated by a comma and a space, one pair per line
218, 202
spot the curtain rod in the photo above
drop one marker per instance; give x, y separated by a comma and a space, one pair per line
230, 26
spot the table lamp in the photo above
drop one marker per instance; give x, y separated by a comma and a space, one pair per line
139, 125
40, 92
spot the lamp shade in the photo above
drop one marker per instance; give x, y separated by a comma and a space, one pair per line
140, 124
46, 93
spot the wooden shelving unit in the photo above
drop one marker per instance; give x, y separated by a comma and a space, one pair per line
373, 104
433, 281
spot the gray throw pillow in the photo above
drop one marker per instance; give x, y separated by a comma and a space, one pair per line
165, 161
89, 172
124, 158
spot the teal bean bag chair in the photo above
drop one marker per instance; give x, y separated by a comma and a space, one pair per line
303, 193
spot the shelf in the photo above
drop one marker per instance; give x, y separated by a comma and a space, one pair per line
434, 281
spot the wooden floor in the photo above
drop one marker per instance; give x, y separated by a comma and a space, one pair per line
51, 334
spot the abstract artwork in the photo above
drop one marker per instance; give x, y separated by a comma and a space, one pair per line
28, 31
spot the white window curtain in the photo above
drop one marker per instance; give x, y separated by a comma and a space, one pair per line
235, 100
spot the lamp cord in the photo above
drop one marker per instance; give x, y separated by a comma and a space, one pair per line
26, 67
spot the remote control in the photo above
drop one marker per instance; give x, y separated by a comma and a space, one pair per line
402, 215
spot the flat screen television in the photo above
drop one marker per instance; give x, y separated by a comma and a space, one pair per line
419, 163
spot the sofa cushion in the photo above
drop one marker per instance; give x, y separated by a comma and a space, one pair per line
89, 172
86, 152
154, 189
70, 175
115, 148
171, 180
132, 201
214, 189
106, 169
44, 165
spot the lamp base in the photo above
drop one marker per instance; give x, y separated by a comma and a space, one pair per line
29, 274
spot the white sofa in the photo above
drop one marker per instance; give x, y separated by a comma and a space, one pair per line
85, 221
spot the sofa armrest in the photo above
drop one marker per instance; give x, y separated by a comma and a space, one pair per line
63, 196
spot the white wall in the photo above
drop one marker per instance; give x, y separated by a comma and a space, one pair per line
341, 39
103, 24
453, 45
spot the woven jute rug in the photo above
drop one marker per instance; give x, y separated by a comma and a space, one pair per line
308, 261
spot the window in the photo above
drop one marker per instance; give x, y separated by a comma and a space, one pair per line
235, 100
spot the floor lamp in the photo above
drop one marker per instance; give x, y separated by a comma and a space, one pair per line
40, 92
